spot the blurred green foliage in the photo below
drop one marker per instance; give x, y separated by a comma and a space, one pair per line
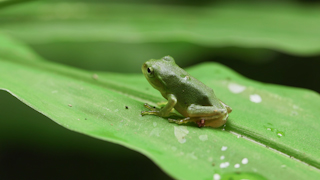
254, 38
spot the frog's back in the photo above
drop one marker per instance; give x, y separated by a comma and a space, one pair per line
188, 90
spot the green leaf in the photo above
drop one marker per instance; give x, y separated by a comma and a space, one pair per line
272, 133
287, 27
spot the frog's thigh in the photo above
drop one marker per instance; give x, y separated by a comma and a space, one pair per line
201, 111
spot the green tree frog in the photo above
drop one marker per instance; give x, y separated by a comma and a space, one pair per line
190, 97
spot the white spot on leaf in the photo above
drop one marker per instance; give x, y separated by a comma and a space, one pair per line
181, 132
223, 148
192, 156
156, 132
255, 98
203, 137
244, 161
236, 88
216, 177
224, 165
236, 165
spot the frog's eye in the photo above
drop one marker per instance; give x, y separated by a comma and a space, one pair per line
150, 71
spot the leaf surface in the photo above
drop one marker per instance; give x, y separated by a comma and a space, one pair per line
282, 118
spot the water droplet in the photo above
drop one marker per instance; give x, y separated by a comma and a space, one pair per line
236, 165
224, 148
244, 161
269, 127
236, 88
203, 137
255, 98
280, 134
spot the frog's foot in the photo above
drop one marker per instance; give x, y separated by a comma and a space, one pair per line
180, 121
154, 110
201, 123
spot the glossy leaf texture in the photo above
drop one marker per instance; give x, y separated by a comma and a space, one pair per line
291, 28
272, 132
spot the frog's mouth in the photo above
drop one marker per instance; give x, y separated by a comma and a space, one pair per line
144, 70
155, 81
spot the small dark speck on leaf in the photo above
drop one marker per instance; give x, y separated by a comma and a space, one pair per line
111, 124
127, 107
69, 105
85, 118
213, 164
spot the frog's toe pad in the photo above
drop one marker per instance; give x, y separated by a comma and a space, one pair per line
152, 108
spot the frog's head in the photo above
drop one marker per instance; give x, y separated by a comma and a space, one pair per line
156, 70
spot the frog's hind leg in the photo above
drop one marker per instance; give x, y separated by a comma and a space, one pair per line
200, 122
229, 109
180, 121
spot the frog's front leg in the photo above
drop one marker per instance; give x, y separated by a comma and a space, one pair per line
165, 111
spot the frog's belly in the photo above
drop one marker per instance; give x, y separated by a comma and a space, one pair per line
182, 110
